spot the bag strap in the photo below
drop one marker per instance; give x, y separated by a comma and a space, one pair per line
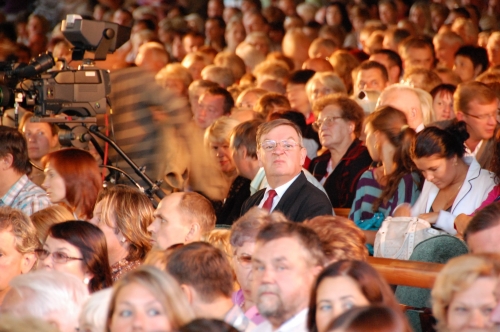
383, 232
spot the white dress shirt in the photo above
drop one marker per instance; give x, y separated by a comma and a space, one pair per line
280, 191
297, 323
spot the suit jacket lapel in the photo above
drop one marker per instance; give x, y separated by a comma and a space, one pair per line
286, 202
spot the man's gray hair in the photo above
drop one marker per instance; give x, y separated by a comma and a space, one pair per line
95, 311
46, 292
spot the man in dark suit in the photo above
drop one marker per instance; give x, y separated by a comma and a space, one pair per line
281, 153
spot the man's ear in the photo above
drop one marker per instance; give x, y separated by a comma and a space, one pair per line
194, 233
477, 70
413, 113
317, 270
188, 292
261, 164
27, 262
6, 162
460, 116
244, 152
303, 155
393, 71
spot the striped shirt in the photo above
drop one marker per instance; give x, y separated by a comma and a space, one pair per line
26, 196
133, 94
369, 190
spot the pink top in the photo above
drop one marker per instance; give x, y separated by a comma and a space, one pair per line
492, 196
252, 313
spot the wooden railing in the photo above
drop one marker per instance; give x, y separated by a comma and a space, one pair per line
342, 212
406, 273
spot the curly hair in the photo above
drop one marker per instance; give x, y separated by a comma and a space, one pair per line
340, 238
130, 212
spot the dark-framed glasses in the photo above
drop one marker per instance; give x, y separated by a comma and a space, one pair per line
57, 256
270, 145
483, 117
327, 121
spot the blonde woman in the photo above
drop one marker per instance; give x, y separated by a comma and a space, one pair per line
217, 138
43, 219
151, 294
463, 296
124, 214
176, 78
323, 84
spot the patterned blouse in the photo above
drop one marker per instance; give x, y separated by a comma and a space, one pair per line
121, 268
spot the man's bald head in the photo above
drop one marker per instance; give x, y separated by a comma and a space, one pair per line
405, 99
152, 56
182, 218
318, 65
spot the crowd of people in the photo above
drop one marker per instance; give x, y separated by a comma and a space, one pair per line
263, 119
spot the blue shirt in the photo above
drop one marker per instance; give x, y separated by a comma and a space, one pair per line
26, 196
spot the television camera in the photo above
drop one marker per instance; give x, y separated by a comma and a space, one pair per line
71, 98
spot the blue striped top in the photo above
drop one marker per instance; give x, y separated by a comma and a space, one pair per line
368, 190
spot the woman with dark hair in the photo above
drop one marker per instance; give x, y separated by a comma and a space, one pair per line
454, 183
470, 61
124, 213
207, 325
442, 103
336, 14
79, 248
72, 178
381, 189
342, 286
373, 318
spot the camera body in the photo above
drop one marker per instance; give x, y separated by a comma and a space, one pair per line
79, 93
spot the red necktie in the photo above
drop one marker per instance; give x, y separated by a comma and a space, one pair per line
268, 204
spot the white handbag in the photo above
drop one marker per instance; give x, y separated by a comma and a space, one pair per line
398, 236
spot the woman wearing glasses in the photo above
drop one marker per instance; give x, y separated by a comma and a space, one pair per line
453, 184
78, 248
381, 189
339, 125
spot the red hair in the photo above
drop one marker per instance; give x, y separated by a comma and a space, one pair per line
81, 177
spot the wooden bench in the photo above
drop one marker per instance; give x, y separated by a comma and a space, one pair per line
406, 273
342, 212
413, 274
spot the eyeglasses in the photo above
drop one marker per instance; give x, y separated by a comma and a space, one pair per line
322, 92
57, 256
245, 260
327, 121
483, 116
270, 145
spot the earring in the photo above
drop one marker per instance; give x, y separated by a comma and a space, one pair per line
86, 281
123, 240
